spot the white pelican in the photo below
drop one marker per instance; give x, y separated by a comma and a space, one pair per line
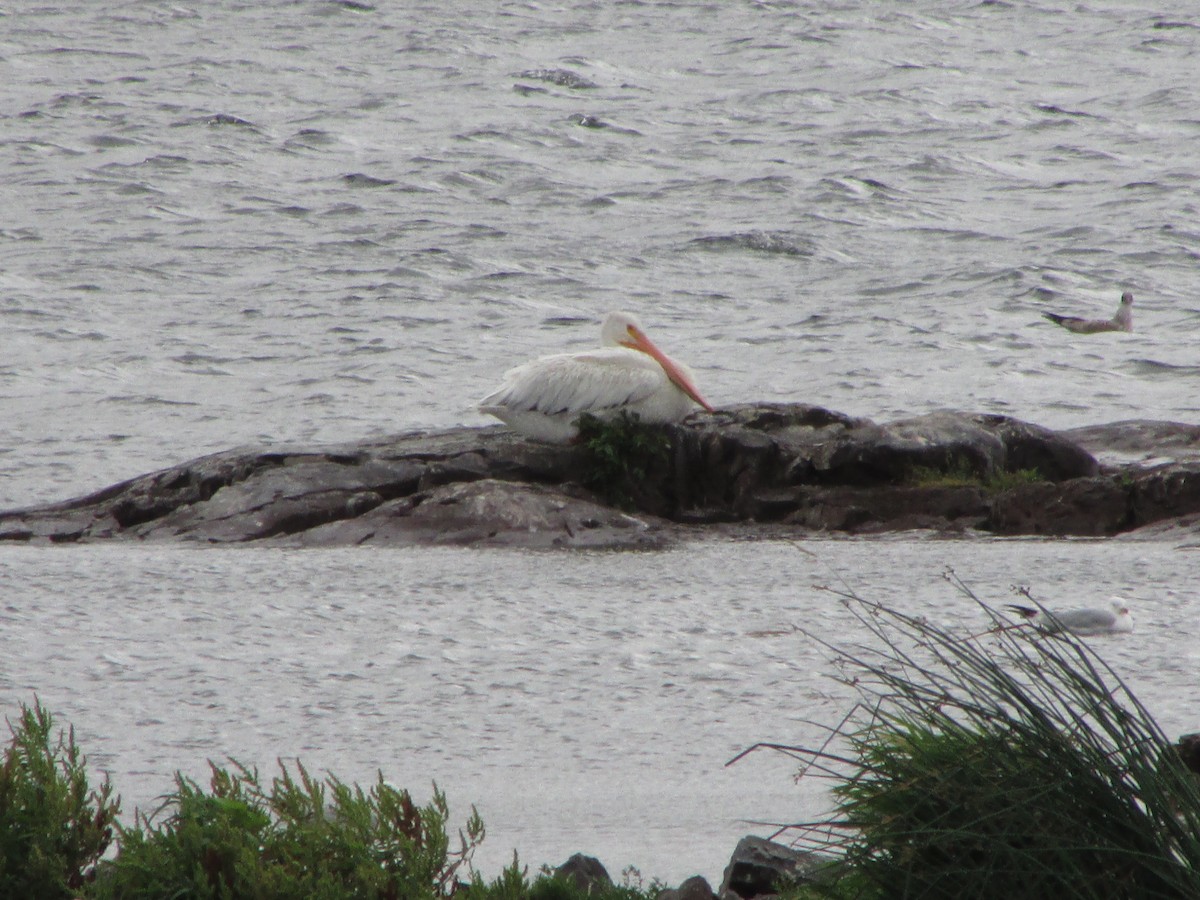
1082, 621
544, 399
1122, 321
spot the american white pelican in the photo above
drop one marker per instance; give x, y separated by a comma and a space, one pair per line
1082, 621
1122, 321
544, 399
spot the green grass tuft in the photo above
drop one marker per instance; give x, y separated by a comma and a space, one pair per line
620, 454
961, 474
1005, 764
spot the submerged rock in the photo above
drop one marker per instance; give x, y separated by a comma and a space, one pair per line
748, 468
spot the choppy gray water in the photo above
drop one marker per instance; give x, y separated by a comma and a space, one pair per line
584, 702
245, 223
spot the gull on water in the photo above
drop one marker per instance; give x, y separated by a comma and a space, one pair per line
1114, 620
1122, 321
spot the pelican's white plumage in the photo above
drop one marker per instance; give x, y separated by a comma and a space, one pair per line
544, 399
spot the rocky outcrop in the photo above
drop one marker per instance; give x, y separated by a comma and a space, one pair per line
694, 888
766, 466
586, 872
759, 867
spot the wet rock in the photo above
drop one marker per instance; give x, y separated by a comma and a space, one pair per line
587, 872
1167, 492
1056, 456
886, 508
1188, 747
492, 513
695, 888
750, 466
1088, 507
760, 867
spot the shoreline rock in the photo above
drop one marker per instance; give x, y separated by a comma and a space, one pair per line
750, 470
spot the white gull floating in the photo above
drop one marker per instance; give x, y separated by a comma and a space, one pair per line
1122, 321
1114, 620
544, 399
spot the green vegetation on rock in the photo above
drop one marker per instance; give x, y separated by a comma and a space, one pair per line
620, 454
961, 474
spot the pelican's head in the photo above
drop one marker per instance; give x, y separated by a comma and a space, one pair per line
622, 329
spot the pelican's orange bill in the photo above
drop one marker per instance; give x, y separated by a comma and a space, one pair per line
641, 342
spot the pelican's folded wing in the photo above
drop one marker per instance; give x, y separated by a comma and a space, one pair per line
575, 383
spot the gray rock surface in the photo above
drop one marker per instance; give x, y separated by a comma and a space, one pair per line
749, 468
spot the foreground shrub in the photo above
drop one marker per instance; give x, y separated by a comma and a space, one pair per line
53, 827
1007, 764
302, 838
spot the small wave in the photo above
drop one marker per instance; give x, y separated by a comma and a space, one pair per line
358, 179
216, 120
311, 139
775, 242
109, 141
146, 400
1157, 367
1054, 110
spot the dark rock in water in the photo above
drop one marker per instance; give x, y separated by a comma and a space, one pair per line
744, 469
1188, 747
1089, 507
759, 867
490, 513
1056, 456
227, 119
587, 872
695, 888
1166, 492
586, 121
561, 77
